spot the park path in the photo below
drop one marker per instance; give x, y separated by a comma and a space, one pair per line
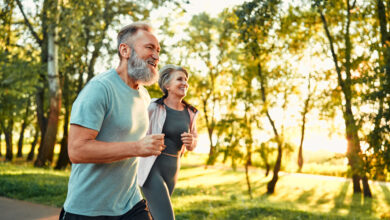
11, 209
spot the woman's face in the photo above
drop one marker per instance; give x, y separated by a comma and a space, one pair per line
178, 85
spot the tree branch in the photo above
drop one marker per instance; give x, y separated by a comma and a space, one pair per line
263, 96
27, 22
334, 55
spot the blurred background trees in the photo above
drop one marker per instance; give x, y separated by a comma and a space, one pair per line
263, 74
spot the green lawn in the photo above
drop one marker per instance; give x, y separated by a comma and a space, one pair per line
216, 193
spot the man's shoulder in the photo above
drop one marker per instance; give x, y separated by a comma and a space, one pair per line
145, 95
104, 76
105, 80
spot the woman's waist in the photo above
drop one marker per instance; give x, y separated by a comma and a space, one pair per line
173, 147
170, 155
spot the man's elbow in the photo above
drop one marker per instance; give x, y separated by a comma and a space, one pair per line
74, 155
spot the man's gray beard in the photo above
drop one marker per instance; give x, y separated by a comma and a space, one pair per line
138, 70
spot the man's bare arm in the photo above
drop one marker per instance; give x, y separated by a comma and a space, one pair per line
84, 148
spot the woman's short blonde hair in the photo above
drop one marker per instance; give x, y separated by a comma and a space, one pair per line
166, 76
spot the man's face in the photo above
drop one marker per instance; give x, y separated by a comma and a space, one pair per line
147, 48
139, 69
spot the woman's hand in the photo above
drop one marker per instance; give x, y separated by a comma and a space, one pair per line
188, 140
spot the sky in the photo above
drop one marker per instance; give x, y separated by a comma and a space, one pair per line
211, 7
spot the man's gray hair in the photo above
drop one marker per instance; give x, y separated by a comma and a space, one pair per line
166, 76
130, 30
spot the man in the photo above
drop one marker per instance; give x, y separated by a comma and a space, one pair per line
108, 125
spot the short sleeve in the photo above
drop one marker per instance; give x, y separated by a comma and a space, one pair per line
90, 107
145, 96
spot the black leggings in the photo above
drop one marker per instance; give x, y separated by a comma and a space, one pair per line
159, 186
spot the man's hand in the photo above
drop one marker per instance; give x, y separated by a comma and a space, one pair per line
151, 145
188, 140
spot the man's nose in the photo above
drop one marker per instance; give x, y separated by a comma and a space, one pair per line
155, 56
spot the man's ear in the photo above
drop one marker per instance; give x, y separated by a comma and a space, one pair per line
125, 51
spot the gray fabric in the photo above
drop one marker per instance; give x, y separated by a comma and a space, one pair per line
159, 186
161, 181
176, 123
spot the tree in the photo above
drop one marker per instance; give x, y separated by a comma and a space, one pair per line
35, 131
81, 42
305, 110
251, 15
16, 84
377, 156
46, 151
207, 43
344, 65
23, 126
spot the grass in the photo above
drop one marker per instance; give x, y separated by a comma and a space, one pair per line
220, 193
24, 182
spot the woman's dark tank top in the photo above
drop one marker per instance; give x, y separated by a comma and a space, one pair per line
176, 123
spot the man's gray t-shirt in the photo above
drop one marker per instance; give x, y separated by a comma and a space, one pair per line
119, 114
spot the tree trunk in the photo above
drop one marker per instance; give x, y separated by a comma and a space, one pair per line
356, 183
1, 132
248, 181
7, 129
249, 143
46, 151
366, 187
21, 138
41, 119
271, 185
43, 43
9, 149
267, 169
23, 128
212, 154
385, 40
304, 113
354, 150
210, 130
63, 158
30, 156
300, 157
6, 125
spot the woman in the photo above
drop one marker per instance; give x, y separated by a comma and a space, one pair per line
175, 118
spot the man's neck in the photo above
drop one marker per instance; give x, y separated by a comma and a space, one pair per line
122, 72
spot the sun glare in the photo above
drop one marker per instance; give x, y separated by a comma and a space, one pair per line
318, 142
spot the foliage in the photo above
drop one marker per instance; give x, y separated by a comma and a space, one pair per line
208, 45
16, 84
83, 42
377, 126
